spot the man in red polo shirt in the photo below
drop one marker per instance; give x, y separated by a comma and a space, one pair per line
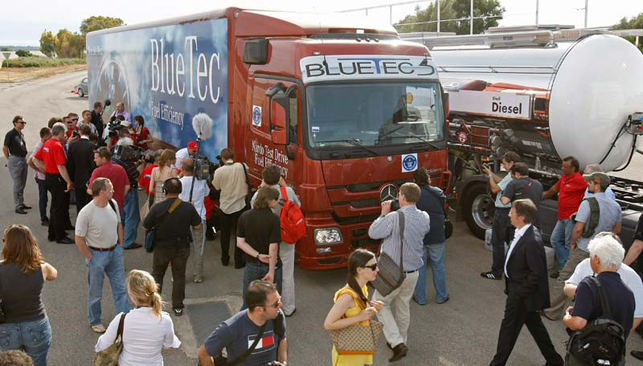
115, 173
57, 181
571, 189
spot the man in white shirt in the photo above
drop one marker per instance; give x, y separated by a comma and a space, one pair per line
98, 235
185, 152
195, 195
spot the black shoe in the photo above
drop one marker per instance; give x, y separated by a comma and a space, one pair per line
65, 240
389, 346
491, 276
637, 354
44, 222
26, 207
417, 302
178, 311
399, 352
225, 261
21, 211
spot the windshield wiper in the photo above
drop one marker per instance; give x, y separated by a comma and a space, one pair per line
380, 138
421, 139
354, 142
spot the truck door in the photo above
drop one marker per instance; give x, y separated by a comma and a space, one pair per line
264, 150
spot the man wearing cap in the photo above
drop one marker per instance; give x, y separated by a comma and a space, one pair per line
589, 222
183, 153
15, 151
595, 168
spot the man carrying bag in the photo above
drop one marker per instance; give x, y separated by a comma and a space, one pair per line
403, 233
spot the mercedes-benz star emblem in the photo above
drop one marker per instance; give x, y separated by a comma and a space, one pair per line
388, 192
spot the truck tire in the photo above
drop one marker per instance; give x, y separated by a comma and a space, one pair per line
81, 93
478, 208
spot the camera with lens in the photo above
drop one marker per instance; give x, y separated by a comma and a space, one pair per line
128, 153
395, 205
202, 168
113, 127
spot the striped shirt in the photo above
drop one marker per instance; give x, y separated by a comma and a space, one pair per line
416, 225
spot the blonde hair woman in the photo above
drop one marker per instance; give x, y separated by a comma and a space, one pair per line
163, 171
147, 328
23, 272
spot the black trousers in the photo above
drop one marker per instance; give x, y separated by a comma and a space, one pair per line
516, 315
82, 198
229, 228
57, 220
178, 256
501, 233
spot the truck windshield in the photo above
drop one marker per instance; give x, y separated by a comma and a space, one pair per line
374, 114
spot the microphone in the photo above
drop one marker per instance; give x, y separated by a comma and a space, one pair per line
202, 125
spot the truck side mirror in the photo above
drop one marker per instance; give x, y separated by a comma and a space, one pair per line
445, 102
279, 118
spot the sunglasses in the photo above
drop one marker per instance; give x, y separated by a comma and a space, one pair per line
75, 119
275, 305
372, 267
23, 122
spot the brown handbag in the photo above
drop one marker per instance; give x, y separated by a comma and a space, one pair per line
357, 339
109, 356
390, 275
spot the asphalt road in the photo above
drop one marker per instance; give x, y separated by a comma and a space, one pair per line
463, 331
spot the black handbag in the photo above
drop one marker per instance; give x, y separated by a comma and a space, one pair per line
390, 275
249, 186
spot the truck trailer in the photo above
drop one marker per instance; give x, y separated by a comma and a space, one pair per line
345, 108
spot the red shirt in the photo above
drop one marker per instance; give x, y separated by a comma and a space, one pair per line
52, 154
144, 135
117, 175
571, 191
146, 175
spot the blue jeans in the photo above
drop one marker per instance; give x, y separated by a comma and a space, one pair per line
256, 271
42, 198
435, 252
34, 338
110, 264
561, 238
130, 216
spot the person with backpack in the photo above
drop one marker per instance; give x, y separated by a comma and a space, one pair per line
288, 204
595, 214
602, 315
258, 236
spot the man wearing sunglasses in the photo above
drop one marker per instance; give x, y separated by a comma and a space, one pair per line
15, 151
255, 336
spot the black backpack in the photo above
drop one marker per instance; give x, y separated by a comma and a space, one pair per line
601, 340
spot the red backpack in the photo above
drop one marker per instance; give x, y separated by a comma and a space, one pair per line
293, 223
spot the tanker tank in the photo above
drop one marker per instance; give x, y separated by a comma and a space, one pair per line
562, 99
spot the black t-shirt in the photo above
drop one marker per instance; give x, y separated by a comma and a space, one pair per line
638, 234
524, 188
15, 141
620, 298
97, 120
259, 227
172, 228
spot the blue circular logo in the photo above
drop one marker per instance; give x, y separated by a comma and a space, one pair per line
256, 115
410, 162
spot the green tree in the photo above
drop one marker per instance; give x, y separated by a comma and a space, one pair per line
63, 44
23, 53
47, 43
98, 22
633, 23
454, 9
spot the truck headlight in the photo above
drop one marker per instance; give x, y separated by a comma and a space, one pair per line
328, 236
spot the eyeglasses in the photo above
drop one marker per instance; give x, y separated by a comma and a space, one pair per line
74, 119
275, 305
372, 267
23, 122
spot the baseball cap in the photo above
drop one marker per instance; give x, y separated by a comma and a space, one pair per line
600, 178
192, 145
125, 123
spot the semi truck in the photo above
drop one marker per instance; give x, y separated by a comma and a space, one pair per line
345, 108
546, 93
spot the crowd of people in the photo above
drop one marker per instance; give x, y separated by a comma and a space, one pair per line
93, 164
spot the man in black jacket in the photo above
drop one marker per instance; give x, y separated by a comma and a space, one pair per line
81, 165
527, 287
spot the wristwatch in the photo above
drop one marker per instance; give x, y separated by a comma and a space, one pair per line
258, 254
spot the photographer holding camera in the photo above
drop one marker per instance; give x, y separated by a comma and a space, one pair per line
129, 157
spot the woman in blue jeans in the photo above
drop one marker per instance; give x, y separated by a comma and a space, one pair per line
23, 272
258, 236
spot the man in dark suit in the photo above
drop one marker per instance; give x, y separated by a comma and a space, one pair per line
527, 287
81, 165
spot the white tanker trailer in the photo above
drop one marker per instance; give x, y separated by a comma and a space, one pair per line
545, 94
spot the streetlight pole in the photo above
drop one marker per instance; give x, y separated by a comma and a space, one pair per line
586, 3
471, 22
537, 12
438, 1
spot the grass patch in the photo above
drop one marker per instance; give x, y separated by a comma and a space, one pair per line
43, 62
18, 74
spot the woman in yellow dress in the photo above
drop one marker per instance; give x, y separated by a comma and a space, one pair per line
352, 305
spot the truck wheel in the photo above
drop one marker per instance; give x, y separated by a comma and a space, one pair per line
478, 209
81, 93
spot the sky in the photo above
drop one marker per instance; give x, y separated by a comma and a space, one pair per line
22, 22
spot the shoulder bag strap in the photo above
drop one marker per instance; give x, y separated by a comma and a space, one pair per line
247, 353
400, 215
605, 305
245, 172
121, 325
284, 193
111, 204
173, 207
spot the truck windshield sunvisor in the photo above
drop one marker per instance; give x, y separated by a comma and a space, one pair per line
374, 114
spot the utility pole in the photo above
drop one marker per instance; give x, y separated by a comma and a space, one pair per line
586, 3
438, 1
471, 21
537, 13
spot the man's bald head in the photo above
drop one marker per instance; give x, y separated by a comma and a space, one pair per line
187, 166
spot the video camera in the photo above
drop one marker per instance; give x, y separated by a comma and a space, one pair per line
128, 153
201, 168
114, 126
